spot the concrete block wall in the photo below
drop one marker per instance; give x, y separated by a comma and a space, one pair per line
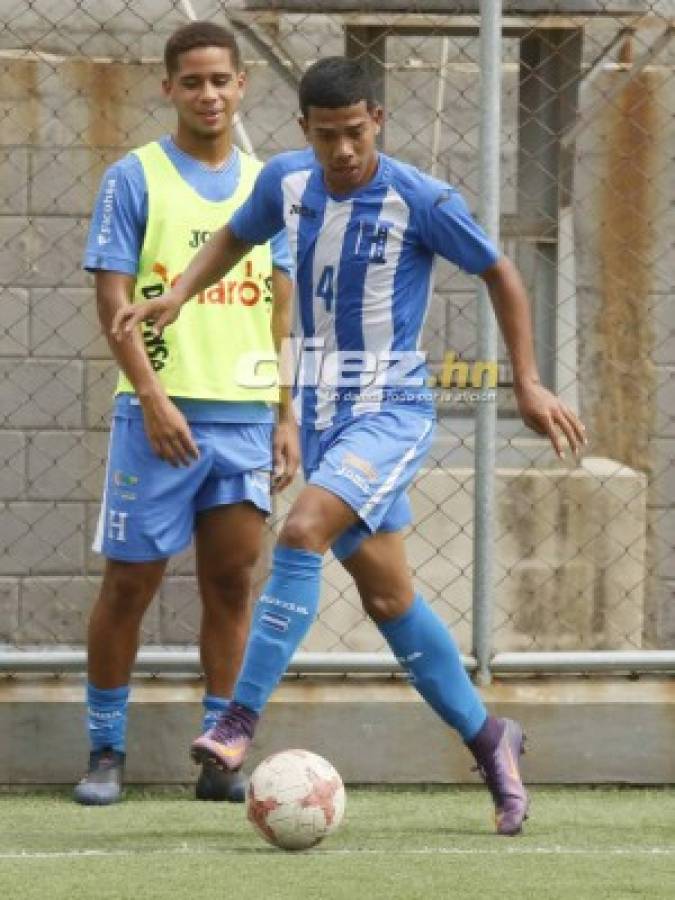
625, 285
66, 117
338, 718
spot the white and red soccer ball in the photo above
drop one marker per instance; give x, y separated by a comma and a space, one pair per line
295, 798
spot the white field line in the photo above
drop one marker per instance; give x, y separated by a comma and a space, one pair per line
186, 850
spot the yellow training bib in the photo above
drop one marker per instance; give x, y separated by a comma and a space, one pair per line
197, 356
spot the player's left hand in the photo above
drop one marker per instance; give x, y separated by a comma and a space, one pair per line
545, 413
286, 454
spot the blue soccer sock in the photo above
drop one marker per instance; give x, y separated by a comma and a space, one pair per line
424, 647
281, 619
213, 707
107, 717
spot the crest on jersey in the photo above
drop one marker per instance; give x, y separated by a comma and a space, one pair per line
372, 240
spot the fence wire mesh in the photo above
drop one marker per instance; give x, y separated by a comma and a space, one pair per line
584, 555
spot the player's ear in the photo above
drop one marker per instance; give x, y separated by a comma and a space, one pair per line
304, 125
166, 86
241, 84
377, 115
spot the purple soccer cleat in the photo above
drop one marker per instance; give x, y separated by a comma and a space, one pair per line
227, 743
500, 768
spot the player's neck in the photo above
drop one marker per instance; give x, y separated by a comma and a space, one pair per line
212, 151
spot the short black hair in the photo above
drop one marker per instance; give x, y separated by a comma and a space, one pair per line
199, 34
334, 82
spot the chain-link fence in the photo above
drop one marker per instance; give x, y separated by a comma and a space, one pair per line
582, 556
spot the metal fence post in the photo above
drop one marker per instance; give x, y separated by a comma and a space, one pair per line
486, 416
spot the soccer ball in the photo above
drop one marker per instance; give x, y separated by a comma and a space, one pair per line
295, 798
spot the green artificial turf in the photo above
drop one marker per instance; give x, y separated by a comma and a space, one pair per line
588, 843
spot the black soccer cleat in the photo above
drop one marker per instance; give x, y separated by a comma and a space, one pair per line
102, 784
216, 784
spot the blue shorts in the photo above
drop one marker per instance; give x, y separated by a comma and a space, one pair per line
149, 507
369, 462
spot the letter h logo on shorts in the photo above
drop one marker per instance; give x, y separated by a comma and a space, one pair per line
117, 525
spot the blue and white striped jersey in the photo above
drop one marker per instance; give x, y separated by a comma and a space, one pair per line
364, 276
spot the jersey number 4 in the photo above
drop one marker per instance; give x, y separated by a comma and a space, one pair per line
324, 289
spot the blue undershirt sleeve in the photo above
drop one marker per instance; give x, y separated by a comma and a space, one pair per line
118, 220
281, 253
261, 217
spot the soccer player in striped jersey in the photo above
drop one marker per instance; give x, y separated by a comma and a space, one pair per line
365, 230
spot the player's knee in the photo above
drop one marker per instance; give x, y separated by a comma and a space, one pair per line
382, 607
229, 586
127, 592
303, 531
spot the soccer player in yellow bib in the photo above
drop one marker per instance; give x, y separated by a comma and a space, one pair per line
192, 452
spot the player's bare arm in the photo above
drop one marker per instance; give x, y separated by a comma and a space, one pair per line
215, 259
286, 444
541, 410
166, 427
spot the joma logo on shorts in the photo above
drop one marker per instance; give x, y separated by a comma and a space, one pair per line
361, 465
356, 478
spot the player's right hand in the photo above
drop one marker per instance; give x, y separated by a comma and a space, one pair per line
160, 312
168, 431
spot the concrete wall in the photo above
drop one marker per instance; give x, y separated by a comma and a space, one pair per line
66, 117
569, 726
625, 287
